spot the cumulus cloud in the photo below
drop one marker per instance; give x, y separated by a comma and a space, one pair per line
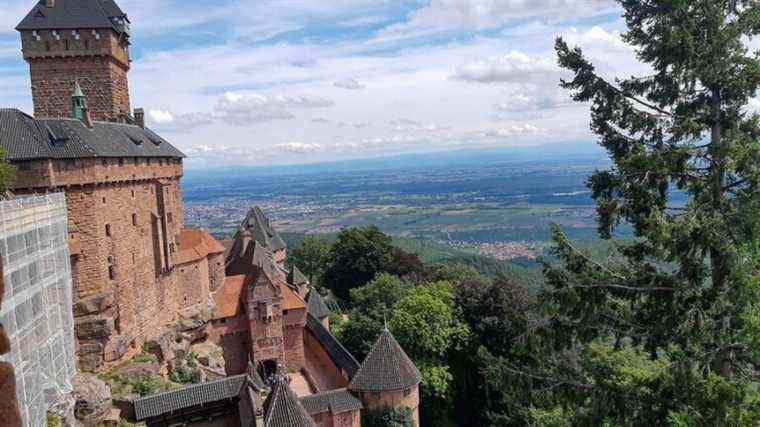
350, 84
298, 147
447, 15
249, 108
515, 67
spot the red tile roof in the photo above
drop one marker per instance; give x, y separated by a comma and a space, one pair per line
227, 297
196, 244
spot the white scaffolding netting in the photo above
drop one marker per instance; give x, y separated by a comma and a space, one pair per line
37, 304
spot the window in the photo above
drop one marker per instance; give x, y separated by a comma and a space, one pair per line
104, 161
134, 219
284, 312
133, 194
223, 320
147, 161
111, 272
26, 166
121, 161
171, 218
108, 230
133, 257
407, 392
104, 200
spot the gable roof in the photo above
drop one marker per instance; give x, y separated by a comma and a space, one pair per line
295, 277
74, 14
317, 307
335, 401
196, 244
227, 298
290, 301
283, 409
386, 368
23, 137
186, 397
261, 229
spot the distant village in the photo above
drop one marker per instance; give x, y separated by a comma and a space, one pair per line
105, 283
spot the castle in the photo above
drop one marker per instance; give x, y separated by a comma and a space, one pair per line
137, 271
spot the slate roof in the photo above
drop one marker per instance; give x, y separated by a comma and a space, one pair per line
317, 307
261, 229
295, 277
283, 409
73, 14
23, 137
339, 355
335, 401
386, 368
186, 397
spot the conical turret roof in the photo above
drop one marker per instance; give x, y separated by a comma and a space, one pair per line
283, 409
386, 368
317, 307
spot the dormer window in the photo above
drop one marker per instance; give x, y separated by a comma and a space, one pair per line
56, 35
36, 35
96, 34
76, 34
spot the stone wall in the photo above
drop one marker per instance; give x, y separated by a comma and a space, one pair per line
320, 360
294, 348
216, 270
97, 58
344, 419
193, 282
124, 219
394, 399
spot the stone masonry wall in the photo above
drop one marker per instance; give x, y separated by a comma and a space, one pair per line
267, 341
193, 282
123, 291
216, 270
394, 399
99, 61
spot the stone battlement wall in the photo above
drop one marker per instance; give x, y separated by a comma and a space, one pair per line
49, 173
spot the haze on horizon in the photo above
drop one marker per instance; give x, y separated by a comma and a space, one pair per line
264, 82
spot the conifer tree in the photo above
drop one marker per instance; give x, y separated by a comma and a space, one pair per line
664, 333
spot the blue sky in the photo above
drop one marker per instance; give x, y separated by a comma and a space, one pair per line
294, 81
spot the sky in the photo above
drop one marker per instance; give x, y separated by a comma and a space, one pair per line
262, 82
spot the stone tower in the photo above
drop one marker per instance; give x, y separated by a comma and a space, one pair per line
388, 379
86, 40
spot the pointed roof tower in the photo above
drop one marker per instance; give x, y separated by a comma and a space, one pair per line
386, 368
317, 307
282, 407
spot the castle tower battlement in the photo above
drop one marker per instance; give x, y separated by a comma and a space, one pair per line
86, 40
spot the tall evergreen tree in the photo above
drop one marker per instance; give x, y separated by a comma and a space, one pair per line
682, 292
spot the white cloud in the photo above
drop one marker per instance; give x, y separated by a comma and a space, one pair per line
298, 147
514, 67
350, 84
447, 15
249, 108
160, 117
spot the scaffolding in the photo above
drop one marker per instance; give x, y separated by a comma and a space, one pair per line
37, 303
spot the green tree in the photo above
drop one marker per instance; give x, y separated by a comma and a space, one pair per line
357, 256
372, 305
311, 256
7, 172
680, 297
428, 326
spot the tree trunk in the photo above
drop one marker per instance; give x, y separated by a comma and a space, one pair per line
717, 260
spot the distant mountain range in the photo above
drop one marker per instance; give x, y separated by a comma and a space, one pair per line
568, 152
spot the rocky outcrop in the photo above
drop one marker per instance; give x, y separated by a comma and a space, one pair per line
93, 400
162, 345
9, 410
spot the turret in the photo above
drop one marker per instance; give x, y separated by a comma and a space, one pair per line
388, 379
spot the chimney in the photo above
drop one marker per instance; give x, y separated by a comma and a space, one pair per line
140, 117
49, 3
86, 118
